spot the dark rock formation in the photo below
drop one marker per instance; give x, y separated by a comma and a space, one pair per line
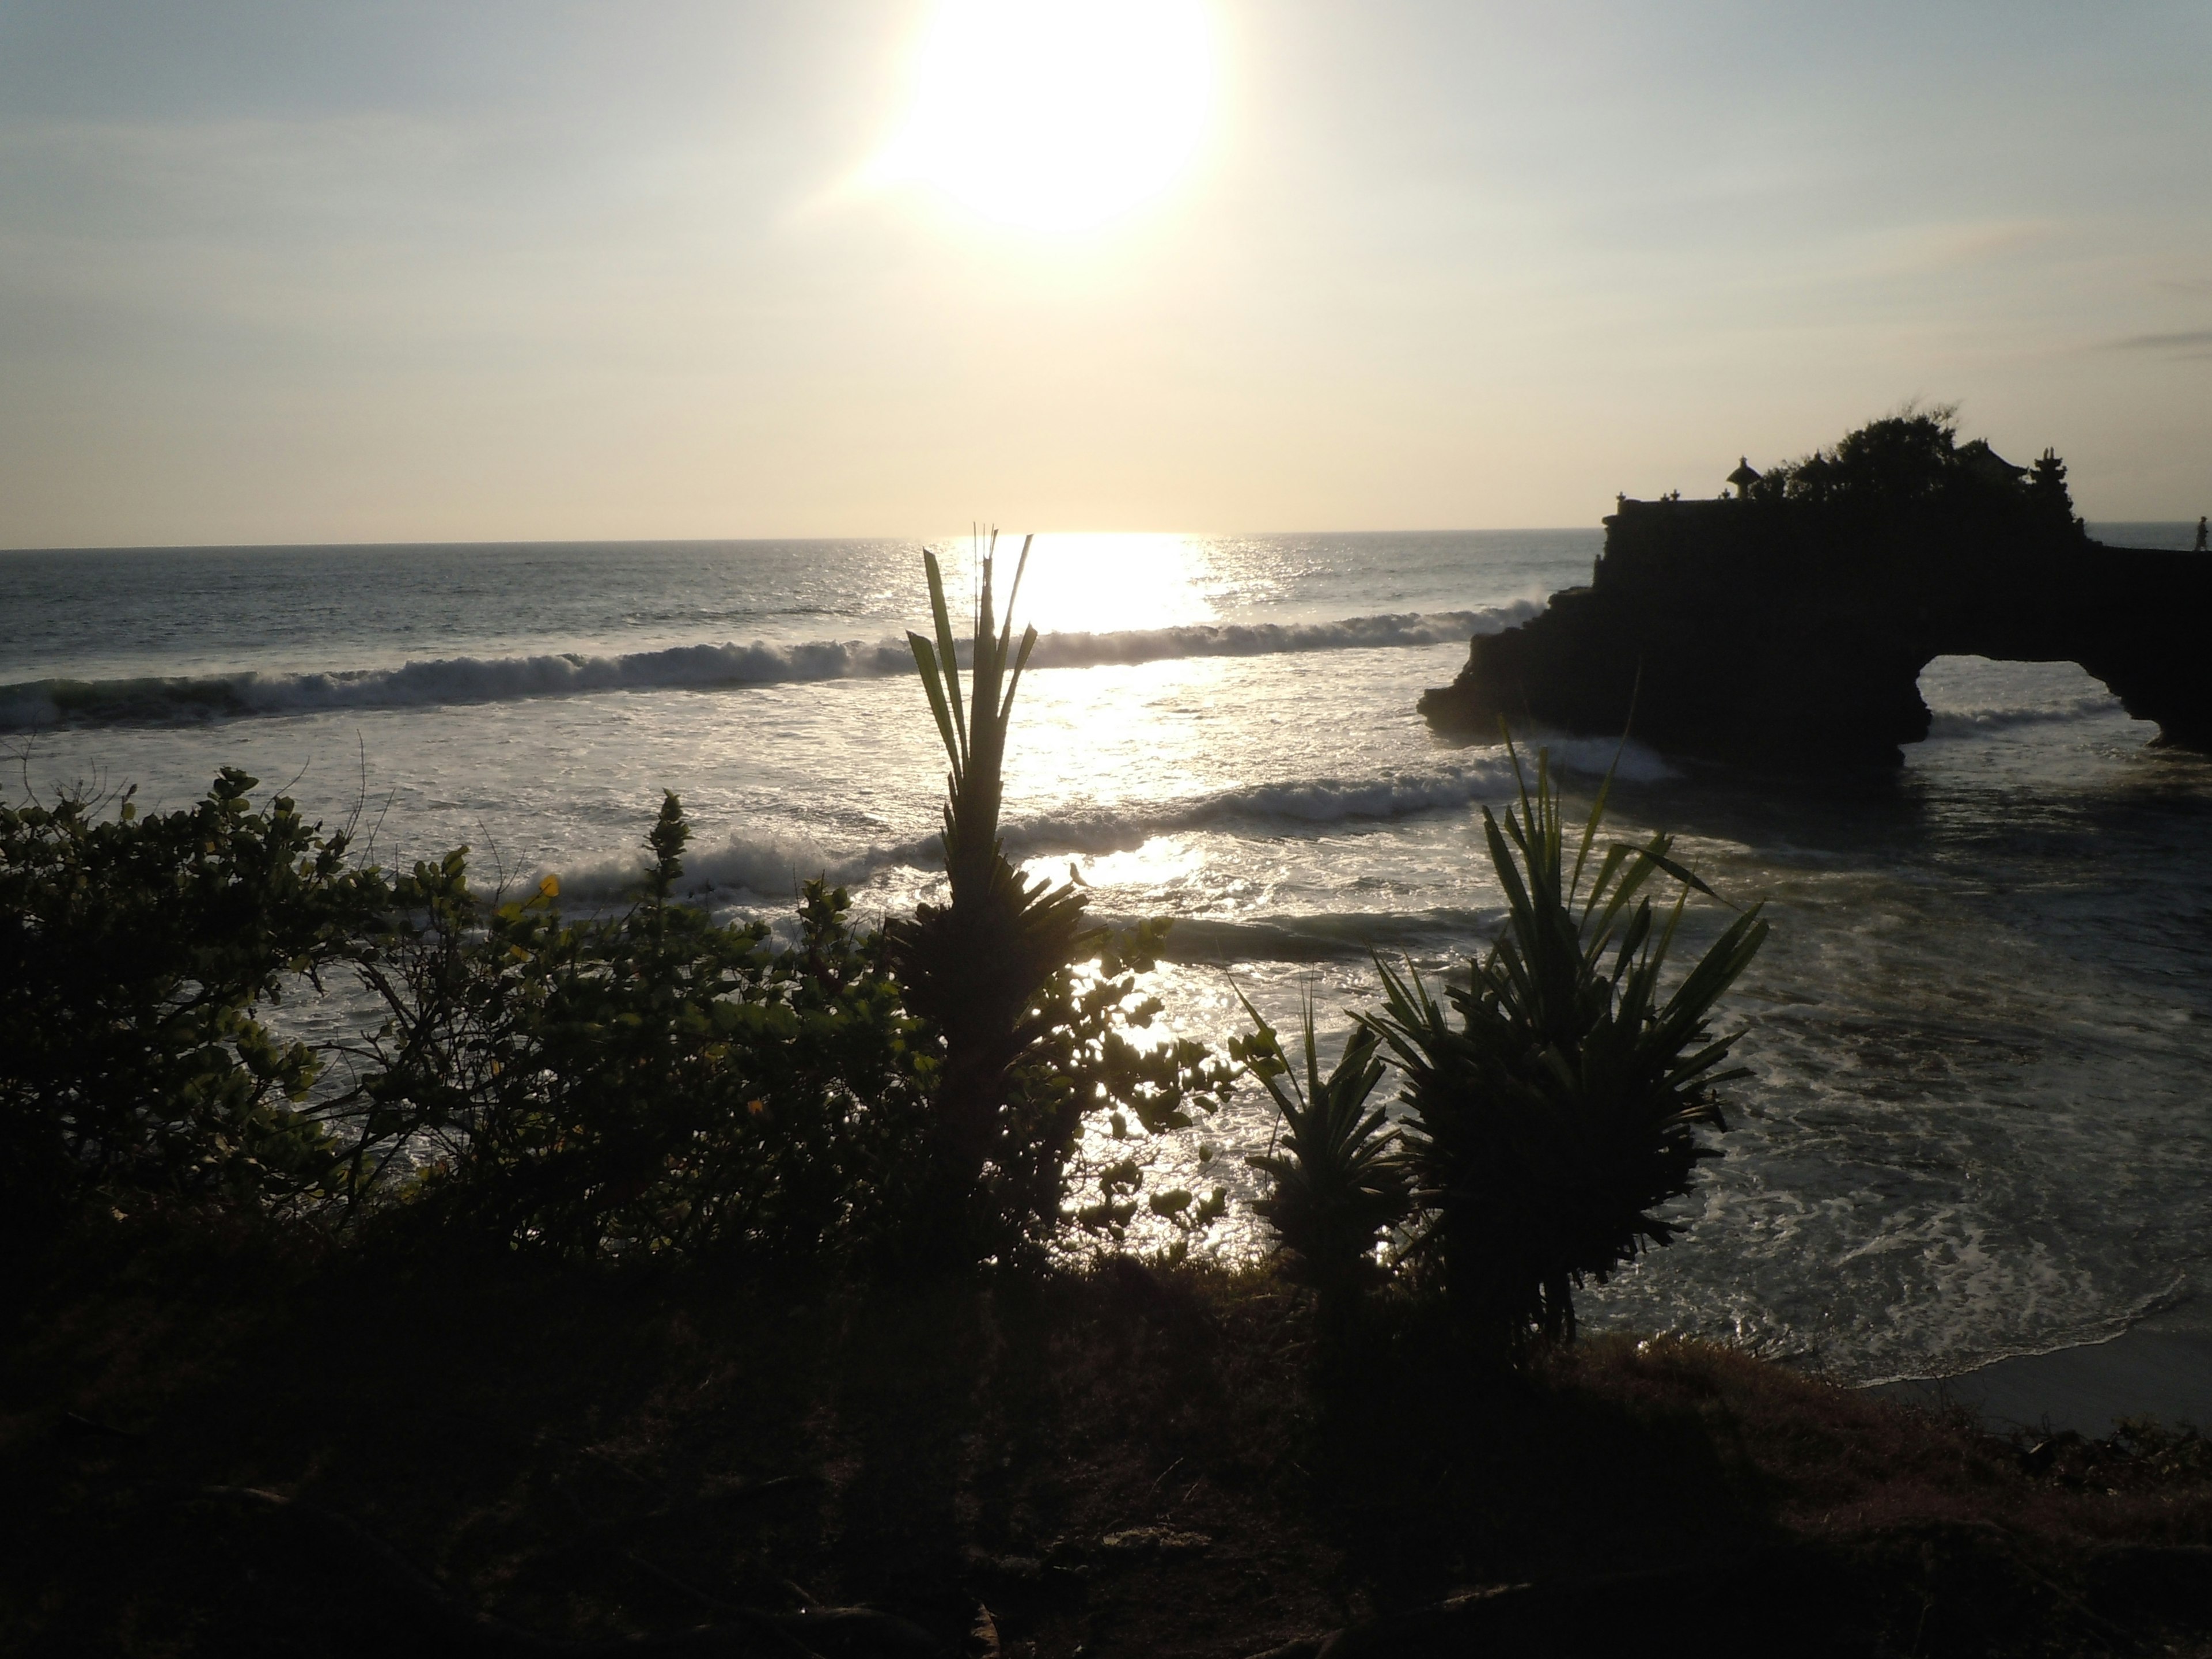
1788, 626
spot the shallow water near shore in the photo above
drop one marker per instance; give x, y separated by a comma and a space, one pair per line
1976, 1126
2159, 1367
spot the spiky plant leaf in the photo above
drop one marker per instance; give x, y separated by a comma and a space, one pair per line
981, 967
1337, 1180
1551, 1123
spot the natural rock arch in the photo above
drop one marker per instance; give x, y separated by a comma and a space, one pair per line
1790, 627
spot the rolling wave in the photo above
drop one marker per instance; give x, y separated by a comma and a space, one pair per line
1972, 723
160, 701
773, 866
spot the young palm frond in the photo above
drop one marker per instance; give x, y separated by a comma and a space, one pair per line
1339, 1180
1554, 1118
977, 967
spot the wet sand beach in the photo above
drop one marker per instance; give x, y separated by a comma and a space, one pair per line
2160, 1366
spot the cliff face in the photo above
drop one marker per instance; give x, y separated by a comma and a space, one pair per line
1789, 632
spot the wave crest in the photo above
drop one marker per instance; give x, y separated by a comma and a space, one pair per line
1972, 722
773, 866
157, 701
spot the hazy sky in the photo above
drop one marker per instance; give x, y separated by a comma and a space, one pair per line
292, 272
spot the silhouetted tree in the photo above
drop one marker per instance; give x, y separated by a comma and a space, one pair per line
2046, 489
1906, 457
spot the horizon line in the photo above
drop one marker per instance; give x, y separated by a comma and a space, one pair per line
726, 541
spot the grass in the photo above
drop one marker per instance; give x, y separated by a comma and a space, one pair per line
579, 1450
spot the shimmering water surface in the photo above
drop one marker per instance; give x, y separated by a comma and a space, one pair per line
1980, 1031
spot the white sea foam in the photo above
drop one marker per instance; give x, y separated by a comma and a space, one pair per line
773, 866
767, 867
37, 703
1972, 722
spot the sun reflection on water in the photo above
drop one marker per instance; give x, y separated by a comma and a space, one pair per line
1100, 582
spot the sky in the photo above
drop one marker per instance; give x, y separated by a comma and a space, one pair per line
293, 272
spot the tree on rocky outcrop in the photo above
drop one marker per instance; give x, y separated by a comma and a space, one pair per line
1906, 457
1911, 463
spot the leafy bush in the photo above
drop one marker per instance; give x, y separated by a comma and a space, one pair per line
1551, 1122
135, 954
1032, 1044
651, 1082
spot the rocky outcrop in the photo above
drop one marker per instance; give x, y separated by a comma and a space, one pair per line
1790, 629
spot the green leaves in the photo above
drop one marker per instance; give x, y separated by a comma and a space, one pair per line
648, 1083
135, 953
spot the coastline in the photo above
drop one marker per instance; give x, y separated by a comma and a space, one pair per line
2159, 1366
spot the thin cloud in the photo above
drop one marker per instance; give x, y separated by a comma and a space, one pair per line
2192, 343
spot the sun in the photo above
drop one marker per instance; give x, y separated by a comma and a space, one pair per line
1056, 115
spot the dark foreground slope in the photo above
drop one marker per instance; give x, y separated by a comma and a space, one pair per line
1790, 629
225, 1447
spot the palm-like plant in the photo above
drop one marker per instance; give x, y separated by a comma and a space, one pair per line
1339, 1180
1550, 1124
978, 966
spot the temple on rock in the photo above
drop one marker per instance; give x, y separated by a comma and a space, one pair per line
1787, 625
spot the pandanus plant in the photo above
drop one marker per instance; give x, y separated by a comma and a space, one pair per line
1548, 1125
1337, 1179
977, 967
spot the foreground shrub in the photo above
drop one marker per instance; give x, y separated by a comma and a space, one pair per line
651, 1082
1549, 1125
1338, 1183
136, 953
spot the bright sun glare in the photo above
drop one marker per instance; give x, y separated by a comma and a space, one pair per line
1057, 114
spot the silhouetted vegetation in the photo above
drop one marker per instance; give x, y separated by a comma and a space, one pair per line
1545, 1130
1913, 460
655, 1082
232, 1438
1031, 1049
1339, 1182
135, 952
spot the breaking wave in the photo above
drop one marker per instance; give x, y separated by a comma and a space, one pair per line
1971, 722
773, 866
151, 700
1324, 936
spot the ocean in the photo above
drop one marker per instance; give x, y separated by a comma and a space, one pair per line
1978, 1123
